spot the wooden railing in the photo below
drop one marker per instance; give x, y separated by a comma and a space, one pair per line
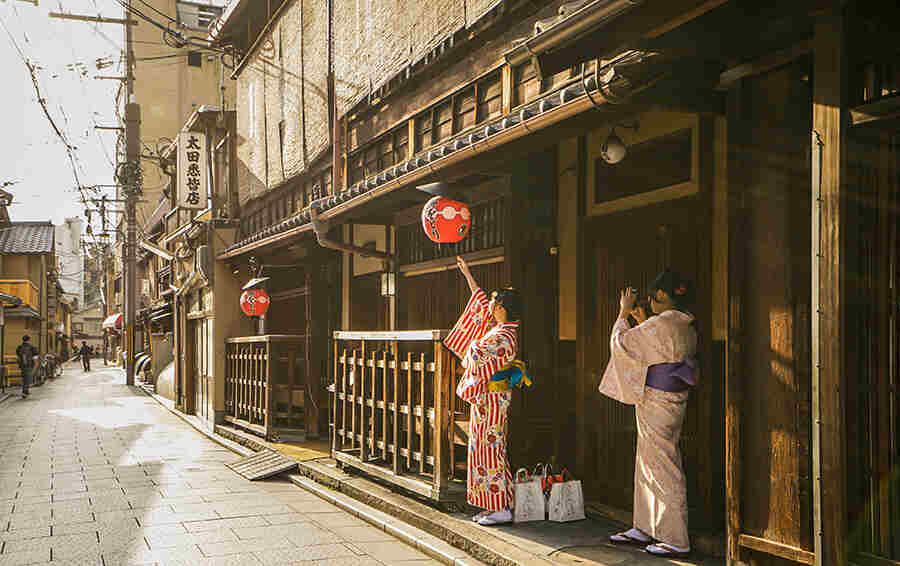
24, 289
265, 383
394, 408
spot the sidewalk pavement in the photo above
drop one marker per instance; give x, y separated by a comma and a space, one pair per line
97, 473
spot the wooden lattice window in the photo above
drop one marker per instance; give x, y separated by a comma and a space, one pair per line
355, 169
443, 122
386, 152
370, 165
464, 109
401, 144
423, 130
526, 86
490, 97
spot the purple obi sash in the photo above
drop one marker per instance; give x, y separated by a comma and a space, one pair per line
673, 377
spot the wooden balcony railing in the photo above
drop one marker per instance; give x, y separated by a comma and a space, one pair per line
24, 289
395, 410
265, 383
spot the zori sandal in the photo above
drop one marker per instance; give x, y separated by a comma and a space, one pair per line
664, 550
632, 537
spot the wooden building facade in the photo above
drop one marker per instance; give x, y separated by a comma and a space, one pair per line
761, 161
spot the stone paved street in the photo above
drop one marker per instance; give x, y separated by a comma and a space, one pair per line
93, 472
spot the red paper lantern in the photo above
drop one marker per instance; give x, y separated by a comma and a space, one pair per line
255, 302
446, 221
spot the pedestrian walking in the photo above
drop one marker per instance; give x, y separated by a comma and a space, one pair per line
85, 352
26, 354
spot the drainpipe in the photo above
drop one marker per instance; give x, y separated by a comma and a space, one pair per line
320, 227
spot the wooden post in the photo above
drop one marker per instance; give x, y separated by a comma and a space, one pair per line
734, 362
385, 376
441, 419
410, 416
828, 288
334, 406
424, 419
396, 380
363, 426
267, 384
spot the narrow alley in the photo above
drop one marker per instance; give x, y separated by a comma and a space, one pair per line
95, 472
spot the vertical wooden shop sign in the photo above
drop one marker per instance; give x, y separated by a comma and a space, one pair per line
193, 171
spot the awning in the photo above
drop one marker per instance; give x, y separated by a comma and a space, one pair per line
113, 321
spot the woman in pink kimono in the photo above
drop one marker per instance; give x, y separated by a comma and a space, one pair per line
485, 338
653, 367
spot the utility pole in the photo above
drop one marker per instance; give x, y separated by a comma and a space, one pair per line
131, 188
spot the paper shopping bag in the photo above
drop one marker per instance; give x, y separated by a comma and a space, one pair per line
530, 504
566, 500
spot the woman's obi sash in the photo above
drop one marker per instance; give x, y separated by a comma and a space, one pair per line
512, 375
673, 377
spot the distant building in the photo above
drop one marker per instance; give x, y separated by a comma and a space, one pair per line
70, 259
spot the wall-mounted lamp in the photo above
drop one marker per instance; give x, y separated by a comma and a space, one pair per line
388, 284
613, 149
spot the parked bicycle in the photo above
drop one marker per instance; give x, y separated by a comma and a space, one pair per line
49, 367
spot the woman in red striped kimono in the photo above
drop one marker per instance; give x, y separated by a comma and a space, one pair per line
485, 338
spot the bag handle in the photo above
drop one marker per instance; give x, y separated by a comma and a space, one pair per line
519, 474
545, 470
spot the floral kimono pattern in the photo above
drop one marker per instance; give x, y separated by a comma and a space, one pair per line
485, 348
660, 492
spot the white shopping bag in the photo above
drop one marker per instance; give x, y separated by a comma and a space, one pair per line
566, 500
529, 498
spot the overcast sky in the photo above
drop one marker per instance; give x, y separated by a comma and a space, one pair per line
67, 54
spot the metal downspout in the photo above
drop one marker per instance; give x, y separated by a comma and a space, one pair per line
320, 227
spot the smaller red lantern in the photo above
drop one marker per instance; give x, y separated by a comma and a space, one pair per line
255, 302
446, 221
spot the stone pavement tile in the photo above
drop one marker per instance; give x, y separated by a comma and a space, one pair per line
279, 557
287, 531
99, 485
34, 522
27, 557
245, 511
252, 545
390, 551
99, 473
187, 539
236, 523
24, 534
185, 555
314, 506
68, 496
178, 507
159, 516
285, 518
342, 519
64, 544
367, 533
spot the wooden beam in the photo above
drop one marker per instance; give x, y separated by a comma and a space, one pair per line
785, 551
764, 64
831, 74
